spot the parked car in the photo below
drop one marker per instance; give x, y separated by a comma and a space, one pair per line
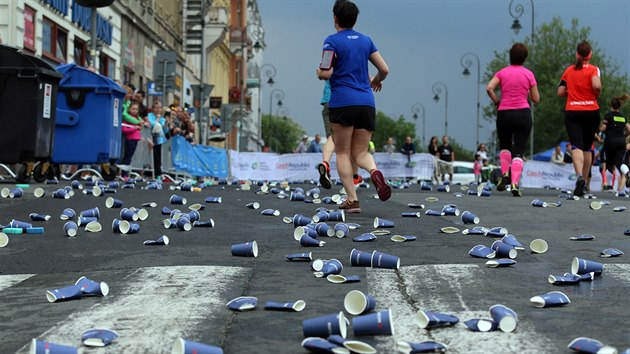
463, 172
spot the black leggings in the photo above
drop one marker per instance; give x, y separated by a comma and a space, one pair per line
581, 127
514, 127
615, 153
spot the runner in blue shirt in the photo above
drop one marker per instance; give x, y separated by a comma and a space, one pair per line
352, 110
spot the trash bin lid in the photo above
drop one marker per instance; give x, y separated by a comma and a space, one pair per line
13, 58
75, 76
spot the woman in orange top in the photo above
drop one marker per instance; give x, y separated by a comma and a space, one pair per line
581, 85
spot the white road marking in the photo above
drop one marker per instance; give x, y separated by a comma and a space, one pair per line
439, 288
157, 306
618, 271
7, 281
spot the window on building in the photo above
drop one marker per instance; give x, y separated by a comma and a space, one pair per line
107, 66
29, 28
128, 76
80, 51
54, 41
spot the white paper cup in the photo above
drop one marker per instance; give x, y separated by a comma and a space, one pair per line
539, 246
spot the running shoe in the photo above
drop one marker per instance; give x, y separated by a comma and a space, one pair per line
382, 187
621, 194
350, 207
503, 182
580, 184
358, 180
516, 192
324, 175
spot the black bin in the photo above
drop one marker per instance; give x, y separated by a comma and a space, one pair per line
28, 95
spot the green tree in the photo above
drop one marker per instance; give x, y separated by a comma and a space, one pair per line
553, 52
398, 129
461, 153
281, 134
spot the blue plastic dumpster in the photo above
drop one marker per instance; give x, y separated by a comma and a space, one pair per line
89, 114
28, 88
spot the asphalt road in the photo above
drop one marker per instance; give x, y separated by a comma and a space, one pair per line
161, 293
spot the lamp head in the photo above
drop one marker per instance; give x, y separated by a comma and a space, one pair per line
436, 98
466, 73
516, 26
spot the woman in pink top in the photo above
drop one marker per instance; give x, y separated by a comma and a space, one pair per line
514, 117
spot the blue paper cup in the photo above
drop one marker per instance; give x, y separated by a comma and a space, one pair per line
384, 260
503, 250
422, 347
296, 197
61, 194
16, 193
374, 324
39, 217
213, 200
134, 228
194, 215
324, 229
186, 187
128, 214
91, 287
505, 317
589, 345
44, 347
341, 230
19, 224
321, 345
113, 202
431, 319
70, 228
443, 188
308, 241
336, 215
161, 241
358, 303
382, 223
182, 346
177, 200
98, 337
481, 325
247, 249
451, 211
183, 224
360, 259
512, 241
253, 205
481, 251
306, 256
332, 266
120, 226
207, 223
425, 186
550, 299
296, 306
314, 192
300, 220
68, 293
166, 211
325, 326
94, 212
84, 220
539, 203
583, 266
469, 218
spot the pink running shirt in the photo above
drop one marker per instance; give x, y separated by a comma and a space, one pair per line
515, 81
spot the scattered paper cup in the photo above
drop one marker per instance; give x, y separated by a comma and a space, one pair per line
325, 326
247, 249
584, 266
538, 246
44, 347
374, 324
550, 299
505, 317
98, 337
358, 303
182, 346
70, 228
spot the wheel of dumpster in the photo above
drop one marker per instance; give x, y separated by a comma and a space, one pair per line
43, 171
23, 174
108, 171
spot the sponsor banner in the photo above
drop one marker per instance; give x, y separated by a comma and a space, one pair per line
538, 174
266, 166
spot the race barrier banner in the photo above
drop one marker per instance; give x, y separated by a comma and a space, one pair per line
198, 160
268, 166
539, 174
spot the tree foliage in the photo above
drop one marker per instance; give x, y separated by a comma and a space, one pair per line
281, 134
398, 129
553, 51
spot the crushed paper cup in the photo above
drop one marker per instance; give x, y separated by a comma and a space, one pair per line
538, 246
149, 205
306, 256
481, 251
366, 237
481, 325
207, 223
166, 211
431, 199
449, 230
374, 324
270, 212
161, 241
403, 238
477, 230
505, 317
34, 230
431, 319
182, 346
340, 279
98, 337
408, 214
247, 249
550, 299
39, 217
213, 200
45, 347
431, 212
404, 347
93, 226
591, 346
332, 266
325, 326
619, 208
611, 252
72, 292
354, 346
584, 266
295, 306
512, 241
356, 302
242, 303
321, 345
4, 239
539, 203
415, 206
566, 279
501, 262
582, 238
497, 232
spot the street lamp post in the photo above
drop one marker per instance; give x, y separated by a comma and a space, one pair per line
437, 90
270, 72
415, 109
279, 96
516, 11
466, 61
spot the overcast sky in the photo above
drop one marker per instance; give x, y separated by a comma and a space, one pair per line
422, 42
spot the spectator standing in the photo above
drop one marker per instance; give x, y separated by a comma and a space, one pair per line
581, 85
301, 148
433, 150
131, 133
477, 168
389, 146
158, 132
447, 156
315, 145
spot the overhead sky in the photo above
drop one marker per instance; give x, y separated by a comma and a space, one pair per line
422, 42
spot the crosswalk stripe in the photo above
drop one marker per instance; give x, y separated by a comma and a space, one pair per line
156, 306
440, 288
7, 281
